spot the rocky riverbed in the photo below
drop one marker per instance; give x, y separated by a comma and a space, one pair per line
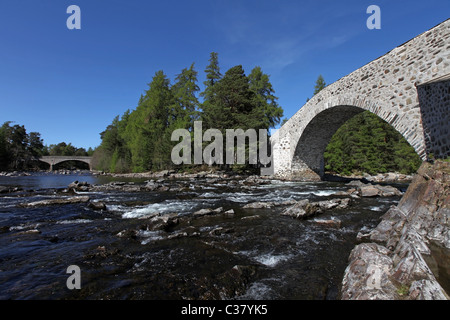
200, 236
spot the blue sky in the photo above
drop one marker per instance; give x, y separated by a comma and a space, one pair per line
69, 84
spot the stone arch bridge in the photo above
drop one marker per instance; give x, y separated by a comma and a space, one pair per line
52, 160
409, 87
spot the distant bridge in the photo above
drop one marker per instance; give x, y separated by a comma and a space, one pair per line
52, 160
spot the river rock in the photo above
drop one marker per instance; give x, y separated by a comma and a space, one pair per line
177, 235
31, 231
368, 191
372, 190
268, 204
128, 234
155, 186
79, 186
255, 180
258, 205
207, 212
202, 212
388, 191
389, 177
388, 231
97, 205
229, 213
403, 239
60, 201
297, 210
163, 222
305, 209
426, 290
332, 223
367, 277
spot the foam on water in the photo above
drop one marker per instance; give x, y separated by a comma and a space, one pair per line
116, 207
150, 236
319, 193
167, 206
209, 195
271, 260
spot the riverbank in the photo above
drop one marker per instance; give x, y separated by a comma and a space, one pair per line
407, 255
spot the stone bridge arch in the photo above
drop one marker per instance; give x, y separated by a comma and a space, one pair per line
387, 87
53, 160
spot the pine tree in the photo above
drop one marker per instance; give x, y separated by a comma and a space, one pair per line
213, 76
267, 110
149, 123
320, 84
234, 101
185, 110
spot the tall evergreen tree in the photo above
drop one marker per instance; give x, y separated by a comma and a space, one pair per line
147, 136
320, 84
234, 101
213, 76
267, 109
185, 110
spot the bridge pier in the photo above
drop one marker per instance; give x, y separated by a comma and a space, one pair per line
434, 97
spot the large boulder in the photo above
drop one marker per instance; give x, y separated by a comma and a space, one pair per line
207, 212
305, 209
403, 249
372, 190
367, 277
162, 222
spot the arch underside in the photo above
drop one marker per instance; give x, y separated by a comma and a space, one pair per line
308, 158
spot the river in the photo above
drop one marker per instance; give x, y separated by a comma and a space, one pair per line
251, 254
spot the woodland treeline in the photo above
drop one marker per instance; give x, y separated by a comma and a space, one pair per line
140, 140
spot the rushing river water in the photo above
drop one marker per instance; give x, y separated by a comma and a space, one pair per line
252, 254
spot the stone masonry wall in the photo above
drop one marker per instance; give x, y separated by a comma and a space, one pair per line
434, 100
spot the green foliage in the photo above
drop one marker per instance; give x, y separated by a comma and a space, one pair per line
63, 149
368, 144
17, 148
267, 111
141, 139
320, 84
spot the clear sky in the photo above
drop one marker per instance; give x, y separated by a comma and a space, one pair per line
69, 84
